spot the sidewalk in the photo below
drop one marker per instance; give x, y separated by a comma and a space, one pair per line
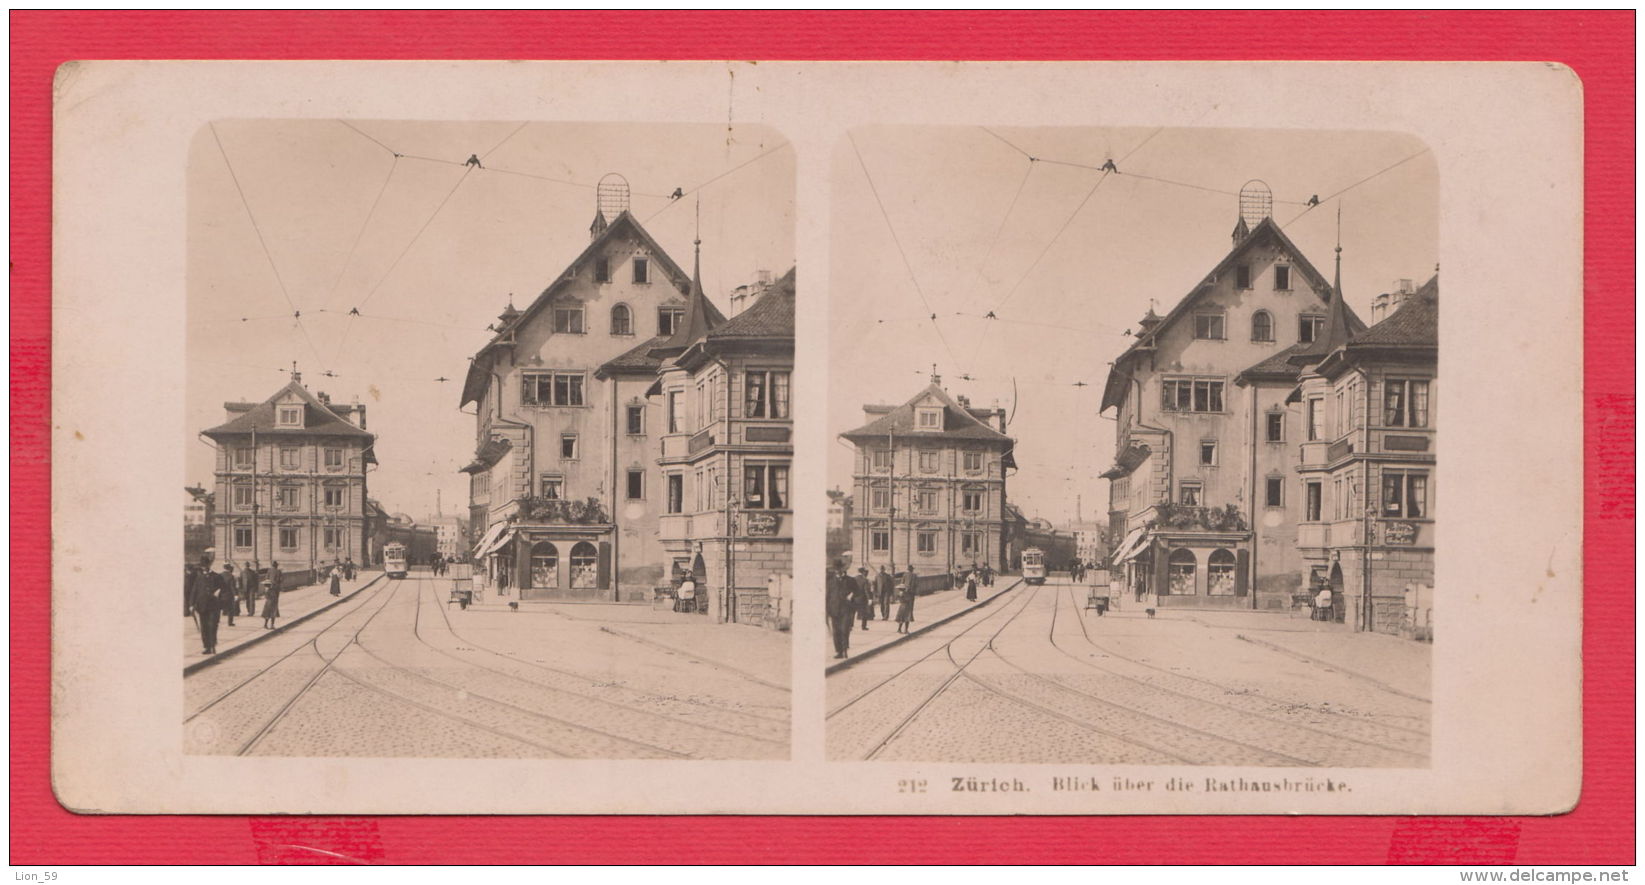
295, 604
929, 610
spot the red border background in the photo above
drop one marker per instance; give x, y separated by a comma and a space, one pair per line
1599, 46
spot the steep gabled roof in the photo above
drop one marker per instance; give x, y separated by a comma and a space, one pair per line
957, 422
772, 316
474, 385
1266, 231
1416, 322
318, 418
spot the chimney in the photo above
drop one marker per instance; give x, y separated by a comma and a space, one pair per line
963, 400
1405, 287
323, 397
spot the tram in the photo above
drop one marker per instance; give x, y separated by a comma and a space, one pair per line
1033, 566
394, 560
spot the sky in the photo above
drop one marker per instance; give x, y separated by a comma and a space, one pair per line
959, 221
319, 217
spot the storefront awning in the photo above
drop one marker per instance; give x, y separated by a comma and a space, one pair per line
494, 538
1133, 544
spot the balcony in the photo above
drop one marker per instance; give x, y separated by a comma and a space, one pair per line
1188, 518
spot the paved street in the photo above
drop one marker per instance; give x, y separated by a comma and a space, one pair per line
1034, 677
396, 671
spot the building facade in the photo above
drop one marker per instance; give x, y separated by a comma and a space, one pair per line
726, 388
565, 491
1204, 498
929, 484
291, 481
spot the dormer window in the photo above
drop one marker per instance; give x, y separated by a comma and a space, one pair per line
291, 416
928, 418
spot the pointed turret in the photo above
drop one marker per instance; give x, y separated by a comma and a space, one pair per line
598, 226
1340, 324
1241, 231
701, 316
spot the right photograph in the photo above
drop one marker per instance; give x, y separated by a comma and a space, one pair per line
1134, 445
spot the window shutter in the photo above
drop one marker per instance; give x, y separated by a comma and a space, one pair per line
1162, 577
1242, 570
604, 566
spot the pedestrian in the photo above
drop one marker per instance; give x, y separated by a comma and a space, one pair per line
248, 587
228, 593
337, 581
905, 602
686, 595
348, 568
884, 588
863, 595
271, 605
206, 611
1322, 603
840, 610
971, 587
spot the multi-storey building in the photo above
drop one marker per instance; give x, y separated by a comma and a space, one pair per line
1203, 497
929, 483
565, 491
726, 388
291, 480
1367, 463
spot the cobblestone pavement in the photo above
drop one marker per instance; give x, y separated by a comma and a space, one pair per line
1036, 677
398, 672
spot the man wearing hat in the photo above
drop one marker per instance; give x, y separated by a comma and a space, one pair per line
840, 606
206, 609
862, 593
228, 599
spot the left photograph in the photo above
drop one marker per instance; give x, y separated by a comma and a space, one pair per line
489, 440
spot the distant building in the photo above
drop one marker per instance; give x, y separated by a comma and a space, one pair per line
929, 483
451, 535
198, 510
291, 480
1090, 542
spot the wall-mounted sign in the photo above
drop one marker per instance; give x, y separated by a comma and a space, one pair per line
766, 434
1405, 443
763, 524
1400, 534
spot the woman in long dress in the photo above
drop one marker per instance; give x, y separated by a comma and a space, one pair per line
971, 587
905, 606
271, 604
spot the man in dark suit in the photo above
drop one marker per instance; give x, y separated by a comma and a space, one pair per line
248, 588
206, 609
883, 587
862, 596
228, 593
841, 611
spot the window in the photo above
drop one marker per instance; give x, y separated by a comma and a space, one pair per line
1191, 395
602, 271
1282, 278
1404, 494
1188, 493
622, 320
245, 458
879, 541
1182, 566
568, 320
1309, 326
1274, 492
879, 499
551, 486
291, 416
674, 416
642, 270
1262, 326
1276, 427
973, 462
970, 543
335, 496
1208, 326
1242, 276
552, 388
330, 538
925, 500
288, 497
1339, 503
1315, 490
585, 568
882, 459
291, 458
765, 486
334, 459
765, 395
1316, 419
1208, 453
676, 493
545, 564
1405, 403
929, 418
636, 420
1219, 573
1338, 415
668, 319
971, 502
568, 447
243, 496
925, 543
636, 485
928, 462
288, 538
242, 536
